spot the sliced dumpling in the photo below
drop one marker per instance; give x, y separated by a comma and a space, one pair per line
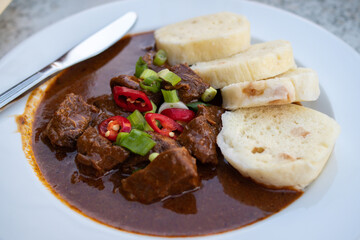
278, 146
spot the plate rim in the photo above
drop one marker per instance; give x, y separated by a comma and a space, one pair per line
319, 28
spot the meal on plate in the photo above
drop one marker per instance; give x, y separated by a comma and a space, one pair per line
188, 130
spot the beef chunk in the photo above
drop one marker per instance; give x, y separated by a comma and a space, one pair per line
99, 153
163, 143
172, 172
199, 137
126, 81
99, 118
69, 121
191, 86
212, 115
149, 58
134, 83
107, 105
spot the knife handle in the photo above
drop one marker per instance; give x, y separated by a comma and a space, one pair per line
25, 85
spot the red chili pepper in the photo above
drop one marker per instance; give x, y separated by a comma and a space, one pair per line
131, 100
168, 125
179, 114
111, 127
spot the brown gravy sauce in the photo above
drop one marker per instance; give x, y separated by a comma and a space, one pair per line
225, 201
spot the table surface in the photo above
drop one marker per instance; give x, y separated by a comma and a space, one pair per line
23, 18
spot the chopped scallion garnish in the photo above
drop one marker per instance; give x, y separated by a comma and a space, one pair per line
151, 84
138, 142
137, 120
148, 128
148, 73
194, 105
153, 156
170, 96
149, 80
155, 87
143, 133
160, 57
120, 136
140, 67
209, 94
169, 76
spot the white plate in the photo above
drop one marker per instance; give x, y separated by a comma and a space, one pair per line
330, 207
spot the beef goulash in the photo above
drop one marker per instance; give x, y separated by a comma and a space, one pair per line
130, 140
135, 137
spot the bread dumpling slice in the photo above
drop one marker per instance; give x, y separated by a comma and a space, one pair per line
278, 146
204, 38
260, 61
296, 85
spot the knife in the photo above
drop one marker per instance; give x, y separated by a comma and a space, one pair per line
90, 47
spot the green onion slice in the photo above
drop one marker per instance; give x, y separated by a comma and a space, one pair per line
148, 128
140, 67
153, 156
194, 105
150, 80
170, 96
209, 94
143, 133
160, 57
169, 76
138, 142
120, 136
153, 87
147, 73
137, 120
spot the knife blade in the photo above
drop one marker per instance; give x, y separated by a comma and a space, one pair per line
90, 47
